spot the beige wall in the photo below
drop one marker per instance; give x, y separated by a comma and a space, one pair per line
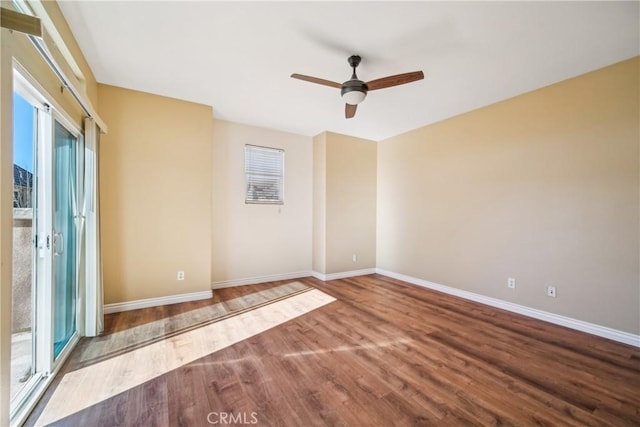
155, 194
349, 208
319, 203
543, 187
252, 240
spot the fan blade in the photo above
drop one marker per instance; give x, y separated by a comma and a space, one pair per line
316, 80
349, 110
398, 79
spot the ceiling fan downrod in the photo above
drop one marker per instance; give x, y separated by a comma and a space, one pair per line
354, 61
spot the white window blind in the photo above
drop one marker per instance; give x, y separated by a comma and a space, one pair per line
264, 171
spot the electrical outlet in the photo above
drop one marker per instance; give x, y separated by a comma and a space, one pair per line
180, 275
511, 283
551, 291
354, 258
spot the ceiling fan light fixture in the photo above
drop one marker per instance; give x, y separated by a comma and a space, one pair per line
353, 96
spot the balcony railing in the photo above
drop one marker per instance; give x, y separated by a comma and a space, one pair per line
21, 313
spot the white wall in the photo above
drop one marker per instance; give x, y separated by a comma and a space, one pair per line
259, 241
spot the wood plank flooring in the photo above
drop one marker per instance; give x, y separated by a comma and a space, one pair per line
384, 353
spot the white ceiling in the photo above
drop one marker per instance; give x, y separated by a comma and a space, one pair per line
238, 56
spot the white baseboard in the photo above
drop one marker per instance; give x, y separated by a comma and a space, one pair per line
152, 302
590, 328
259, 279
343, 274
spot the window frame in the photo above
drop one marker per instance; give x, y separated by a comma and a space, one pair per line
281, 176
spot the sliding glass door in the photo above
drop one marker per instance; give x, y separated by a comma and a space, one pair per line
48, 178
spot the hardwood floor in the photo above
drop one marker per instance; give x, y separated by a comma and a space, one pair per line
365, 351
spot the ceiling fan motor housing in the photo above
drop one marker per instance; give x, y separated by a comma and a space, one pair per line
353, 85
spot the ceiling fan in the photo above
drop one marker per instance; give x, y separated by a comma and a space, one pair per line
354, 90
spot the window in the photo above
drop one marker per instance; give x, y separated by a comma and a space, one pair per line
264, 171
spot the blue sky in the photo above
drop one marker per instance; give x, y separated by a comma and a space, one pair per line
22, 133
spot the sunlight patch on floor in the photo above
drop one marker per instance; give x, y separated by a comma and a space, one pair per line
93, 384
349, 348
